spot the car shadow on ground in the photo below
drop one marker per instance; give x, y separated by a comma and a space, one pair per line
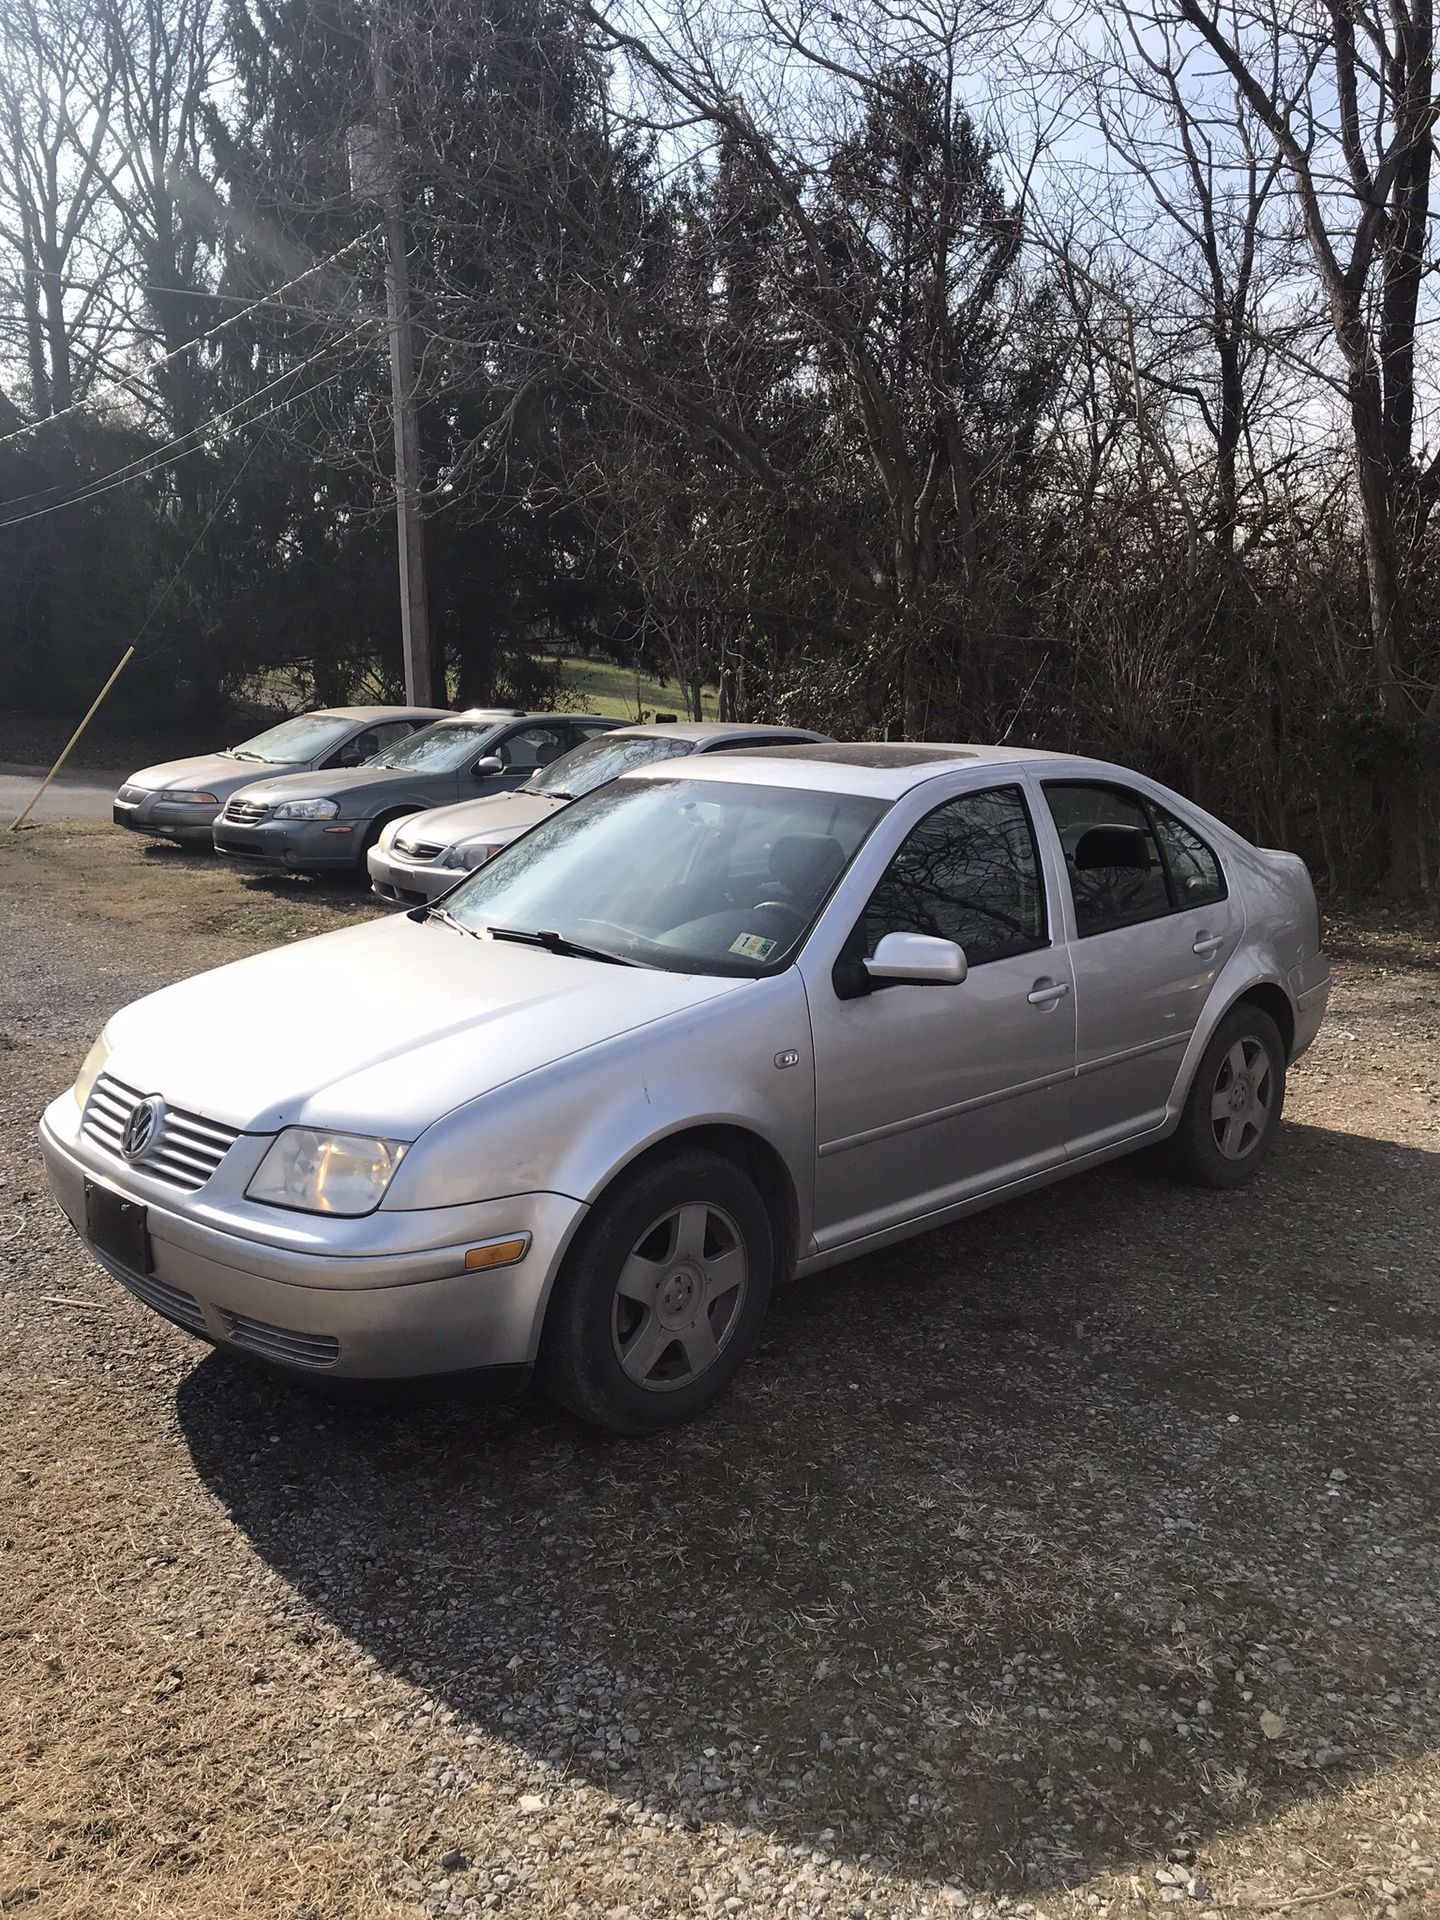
989, 1566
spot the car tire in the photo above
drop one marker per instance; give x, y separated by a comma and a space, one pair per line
367, 840
682, 1246
1235, 1102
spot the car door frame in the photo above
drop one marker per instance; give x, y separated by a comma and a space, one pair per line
1090, 1149
825, 946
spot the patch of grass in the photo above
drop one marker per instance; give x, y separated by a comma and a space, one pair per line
599, 686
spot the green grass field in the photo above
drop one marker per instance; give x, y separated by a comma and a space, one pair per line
598, 686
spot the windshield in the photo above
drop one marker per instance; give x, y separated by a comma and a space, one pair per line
443, 748
585, 768
293, 742
689, 876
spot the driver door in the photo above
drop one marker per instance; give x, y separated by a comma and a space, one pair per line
928, 1096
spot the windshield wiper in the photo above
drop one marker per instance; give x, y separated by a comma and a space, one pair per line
433, 910
234, 753
553, 942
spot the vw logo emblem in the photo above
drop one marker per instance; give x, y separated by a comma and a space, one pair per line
142, 1129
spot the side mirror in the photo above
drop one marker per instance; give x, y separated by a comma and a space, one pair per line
917, 959
488, 763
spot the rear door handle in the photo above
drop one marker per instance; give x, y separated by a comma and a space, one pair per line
1208, 943
1045, 993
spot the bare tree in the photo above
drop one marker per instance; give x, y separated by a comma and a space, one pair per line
57, 163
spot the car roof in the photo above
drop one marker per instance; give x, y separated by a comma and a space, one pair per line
885, 769
385, 713
495, 716
705, 732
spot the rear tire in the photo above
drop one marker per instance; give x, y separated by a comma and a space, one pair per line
661, 1297
1234, 1104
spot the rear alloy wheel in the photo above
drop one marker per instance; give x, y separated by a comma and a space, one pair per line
661, 1297
1235, 1101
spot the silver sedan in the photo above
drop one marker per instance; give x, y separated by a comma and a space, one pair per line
727, 1020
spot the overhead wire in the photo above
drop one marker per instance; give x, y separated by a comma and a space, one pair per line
232, 320
161, 458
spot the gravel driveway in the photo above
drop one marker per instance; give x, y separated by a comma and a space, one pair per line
1084, 1558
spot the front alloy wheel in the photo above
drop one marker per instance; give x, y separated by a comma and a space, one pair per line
661, 1296
679, 1296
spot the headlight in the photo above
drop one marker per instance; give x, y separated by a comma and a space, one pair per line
307, 810
91, 1067
467, 856
189, 797
326, 1172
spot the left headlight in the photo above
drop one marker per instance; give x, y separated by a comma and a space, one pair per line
467, 856
307, 810
326, 1172
190, 797
91, 1068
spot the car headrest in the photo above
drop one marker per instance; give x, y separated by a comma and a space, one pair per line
806, 863
1113, 847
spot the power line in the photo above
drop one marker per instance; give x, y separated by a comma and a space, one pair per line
82, 406
140, 470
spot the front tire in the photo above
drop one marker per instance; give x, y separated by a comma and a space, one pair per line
662, 1295
1234, 1103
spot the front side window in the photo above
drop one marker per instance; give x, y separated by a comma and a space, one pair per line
531, 748
443, 748
689, 876
294, 743
968, 873
1112, 858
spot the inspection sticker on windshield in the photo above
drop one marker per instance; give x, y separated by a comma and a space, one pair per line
754, 946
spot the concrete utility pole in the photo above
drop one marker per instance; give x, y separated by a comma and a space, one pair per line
373, 178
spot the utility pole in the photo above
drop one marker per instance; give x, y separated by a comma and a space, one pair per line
373, 178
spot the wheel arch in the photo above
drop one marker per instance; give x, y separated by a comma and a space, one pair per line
1271, 998
754, 1155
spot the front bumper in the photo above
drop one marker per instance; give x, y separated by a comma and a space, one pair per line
409, 883
291, 846
152, 814
412, 1310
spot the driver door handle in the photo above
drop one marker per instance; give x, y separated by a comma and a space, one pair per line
1045, 993
1207, 943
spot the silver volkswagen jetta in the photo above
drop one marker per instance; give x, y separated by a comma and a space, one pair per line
726, 1020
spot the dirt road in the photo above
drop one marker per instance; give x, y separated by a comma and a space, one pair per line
1083, 1559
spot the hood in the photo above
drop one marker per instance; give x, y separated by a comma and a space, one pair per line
326, 784
503, 814
213, 773
380, 1028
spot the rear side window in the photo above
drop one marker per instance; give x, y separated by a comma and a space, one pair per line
969, 873
1112, 857
1127, 859
1194, 870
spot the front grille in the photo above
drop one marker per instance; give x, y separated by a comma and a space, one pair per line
132, 796
419, 849
284, 1344
188, 1151
245, 812
173, 1302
